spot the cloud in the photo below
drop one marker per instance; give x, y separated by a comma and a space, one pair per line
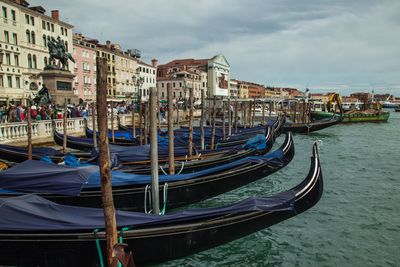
313, 43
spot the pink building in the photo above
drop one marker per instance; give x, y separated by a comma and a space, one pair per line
84, 53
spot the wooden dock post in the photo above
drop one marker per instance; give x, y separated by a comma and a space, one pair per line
65, 127
244, 115
153, 108
94, 125
263, 112
223, 121
171, 154
140, 119
203, 103
28, 117
254, 113
104, 156
236, 115
214, 111
133, 120
146, 122
229, 117
190, 144
112, 122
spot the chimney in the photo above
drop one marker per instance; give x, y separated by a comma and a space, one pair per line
154, 62
108, 44
55, 14
18, 2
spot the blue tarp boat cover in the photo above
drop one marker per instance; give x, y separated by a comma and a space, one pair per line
29, 213
43, 177
36, 151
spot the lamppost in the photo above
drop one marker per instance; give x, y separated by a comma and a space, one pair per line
137, 81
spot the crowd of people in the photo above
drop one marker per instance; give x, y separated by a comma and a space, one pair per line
18, 112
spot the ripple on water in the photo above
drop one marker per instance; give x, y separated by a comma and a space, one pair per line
357, 221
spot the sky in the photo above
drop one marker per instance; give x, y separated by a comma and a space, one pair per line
323, 45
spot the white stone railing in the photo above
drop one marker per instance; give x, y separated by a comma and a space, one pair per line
42, 131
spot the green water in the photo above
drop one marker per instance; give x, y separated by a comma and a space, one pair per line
357, 221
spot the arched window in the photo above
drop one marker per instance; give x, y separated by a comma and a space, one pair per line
29, 61
66, 46
44, 41
33, 37
34, 63
45, 61
28, 37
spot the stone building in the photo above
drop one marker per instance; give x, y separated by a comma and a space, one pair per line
25, 31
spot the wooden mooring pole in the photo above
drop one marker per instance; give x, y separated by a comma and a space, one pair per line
104, 156
223, 121
236, 115
214, 111
153, 108
94, 125
112, 122
203, 103
254, 113
140, 119
229, 117
65, 126
146, 122
190, 145
133, 120
171, 155
28, 115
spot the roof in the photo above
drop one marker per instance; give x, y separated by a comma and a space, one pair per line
187, 61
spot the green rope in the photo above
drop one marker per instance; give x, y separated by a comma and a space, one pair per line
98, 248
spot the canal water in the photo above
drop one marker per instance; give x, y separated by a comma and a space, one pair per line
357, 221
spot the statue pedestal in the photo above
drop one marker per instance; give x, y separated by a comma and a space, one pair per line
60, 85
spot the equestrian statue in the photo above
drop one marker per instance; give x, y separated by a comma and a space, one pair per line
57, 50
43, 97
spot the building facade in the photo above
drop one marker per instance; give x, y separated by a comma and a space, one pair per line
84, 53
24, 34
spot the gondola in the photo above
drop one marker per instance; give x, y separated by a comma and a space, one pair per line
309, 127
196, 165
20, 154
38, 232
69, 185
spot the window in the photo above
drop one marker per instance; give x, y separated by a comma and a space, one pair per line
162, 94
52, 27
66, 32
34, 65
62, 31
9, 79
26, 18
173, 85
13, 17
174, 94
48, 26
6, 37
180, 84
162, 85
18, 82
28, 36
43, 25
44, 41
16, 60
29, 61
1, 80
33, 41
4, 12
15, 39
8, 59
180, 94
32, 21
45, 61
66, 46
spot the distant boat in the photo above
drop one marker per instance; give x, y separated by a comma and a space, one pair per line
388, 104
355, 116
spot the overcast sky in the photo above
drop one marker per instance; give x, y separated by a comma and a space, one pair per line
320, 44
